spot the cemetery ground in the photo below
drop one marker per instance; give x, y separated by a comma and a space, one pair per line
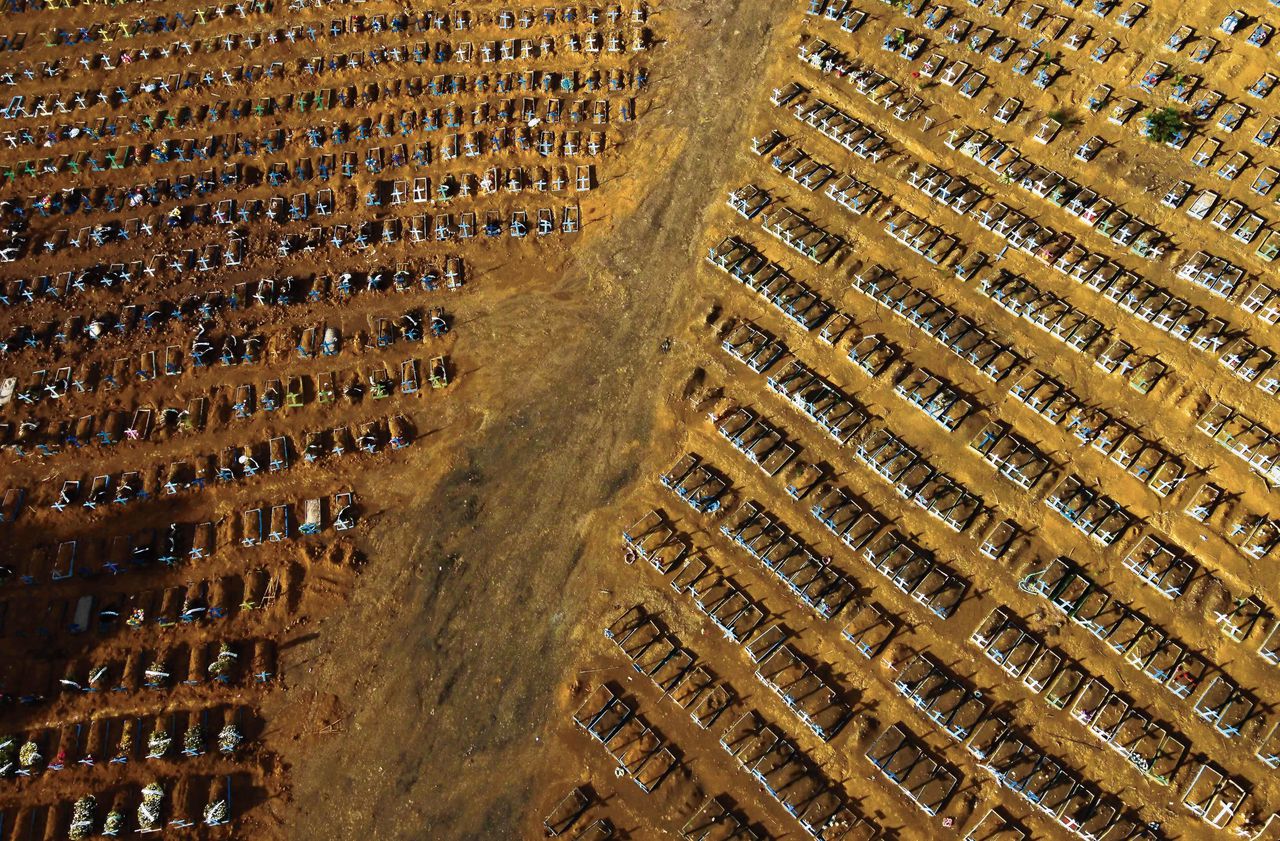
860, 451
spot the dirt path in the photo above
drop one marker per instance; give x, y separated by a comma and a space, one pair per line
462, 630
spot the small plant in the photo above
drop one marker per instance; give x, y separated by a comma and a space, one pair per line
1164, 124
1063, 117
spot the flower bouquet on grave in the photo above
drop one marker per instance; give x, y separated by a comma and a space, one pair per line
229, 739
8, 755
149, 809
125, 746
193, 740
221, 666
216, 812
114, 824
82, 818
29, 754
158, 744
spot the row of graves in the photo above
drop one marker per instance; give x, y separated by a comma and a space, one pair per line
1168, 62
137, 658
935, 421
236, 238
507, 113
1237, 344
